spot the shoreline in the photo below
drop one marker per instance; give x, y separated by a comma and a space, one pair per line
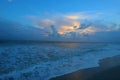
109, 69
66, 60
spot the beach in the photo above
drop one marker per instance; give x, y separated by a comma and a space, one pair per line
109, 69
56, 61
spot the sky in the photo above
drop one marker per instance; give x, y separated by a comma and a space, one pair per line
78, 20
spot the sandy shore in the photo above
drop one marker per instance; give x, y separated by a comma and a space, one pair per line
109, 69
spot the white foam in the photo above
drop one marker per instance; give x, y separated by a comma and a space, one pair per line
49, 69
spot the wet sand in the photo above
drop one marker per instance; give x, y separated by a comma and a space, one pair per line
109, 69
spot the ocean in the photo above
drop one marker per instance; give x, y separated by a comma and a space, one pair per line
44, 60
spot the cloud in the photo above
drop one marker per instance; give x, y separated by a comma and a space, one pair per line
79, 25
14, 31
94, 32
72, 17
62, 24
10, 0
69, 27
88, 30
43, 23
76, 16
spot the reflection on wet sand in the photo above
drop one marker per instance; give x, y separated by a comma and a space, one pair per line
109, 69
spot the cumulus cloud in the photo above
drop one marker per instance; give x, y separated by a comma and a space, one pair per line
70, 26
75, 24
64, 23
94, 32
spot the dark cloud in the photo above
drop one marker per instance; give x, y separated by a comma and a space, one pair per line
14, 31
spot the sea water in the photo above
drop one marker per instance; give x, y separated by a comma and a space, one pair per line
44, 60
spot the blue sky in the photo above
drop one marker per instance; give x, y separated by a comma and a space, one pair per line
16, 9
64, 15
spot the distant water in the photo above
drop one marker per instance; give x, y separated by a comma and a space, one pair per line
43, 60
